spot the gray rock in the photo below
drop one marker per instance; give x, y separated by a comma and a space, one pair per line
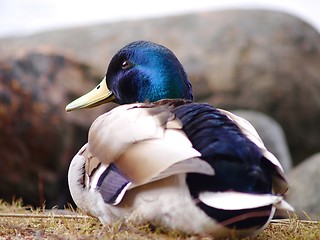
237, 59
304, 191
272, 135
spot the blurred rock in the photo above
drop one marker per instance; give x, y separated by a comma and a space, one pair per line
270, 63
37, 137
304, 192
237, 59
271, 134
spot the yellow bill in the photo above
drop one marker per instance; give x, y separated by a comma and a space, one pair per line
99, 95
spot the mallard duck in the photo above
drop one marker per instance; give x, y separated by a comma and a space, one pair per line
162, 158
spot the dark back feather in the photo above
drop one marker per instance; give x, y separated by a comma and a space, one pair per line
238, 162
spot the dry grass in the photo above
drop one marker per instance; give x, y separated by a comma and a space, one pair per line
20, 222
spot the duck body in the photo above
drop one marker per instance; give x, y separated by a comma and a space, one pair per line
185, 165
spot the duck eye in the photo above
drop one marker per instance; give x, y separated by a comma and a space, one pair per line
126, 65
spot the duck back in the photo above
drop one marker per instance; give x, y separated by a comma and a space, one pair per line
238, 163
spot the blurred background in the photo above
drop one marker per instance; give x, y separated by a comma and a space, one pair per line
20, 17
258, 58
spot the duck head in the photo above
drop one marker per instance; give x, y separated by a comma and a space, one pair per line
139, 72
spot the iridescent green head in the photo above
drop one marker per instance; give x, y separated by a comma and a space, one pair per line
139, 72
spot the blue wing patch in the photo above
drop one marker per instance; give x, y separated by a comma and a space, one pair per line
112, 185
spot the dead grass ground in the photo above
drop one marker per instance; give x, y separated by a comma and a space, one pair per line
20, 222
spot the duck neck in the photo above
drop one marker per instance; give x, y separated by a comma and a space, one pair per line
167, 88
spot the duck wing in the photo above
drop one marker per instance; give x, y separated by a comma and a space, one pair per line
248, 183
280, 184
135, 144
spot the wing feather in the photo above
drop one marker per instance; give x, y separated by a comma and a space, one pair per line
145, 142
280, 185
146, 159
237, 200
